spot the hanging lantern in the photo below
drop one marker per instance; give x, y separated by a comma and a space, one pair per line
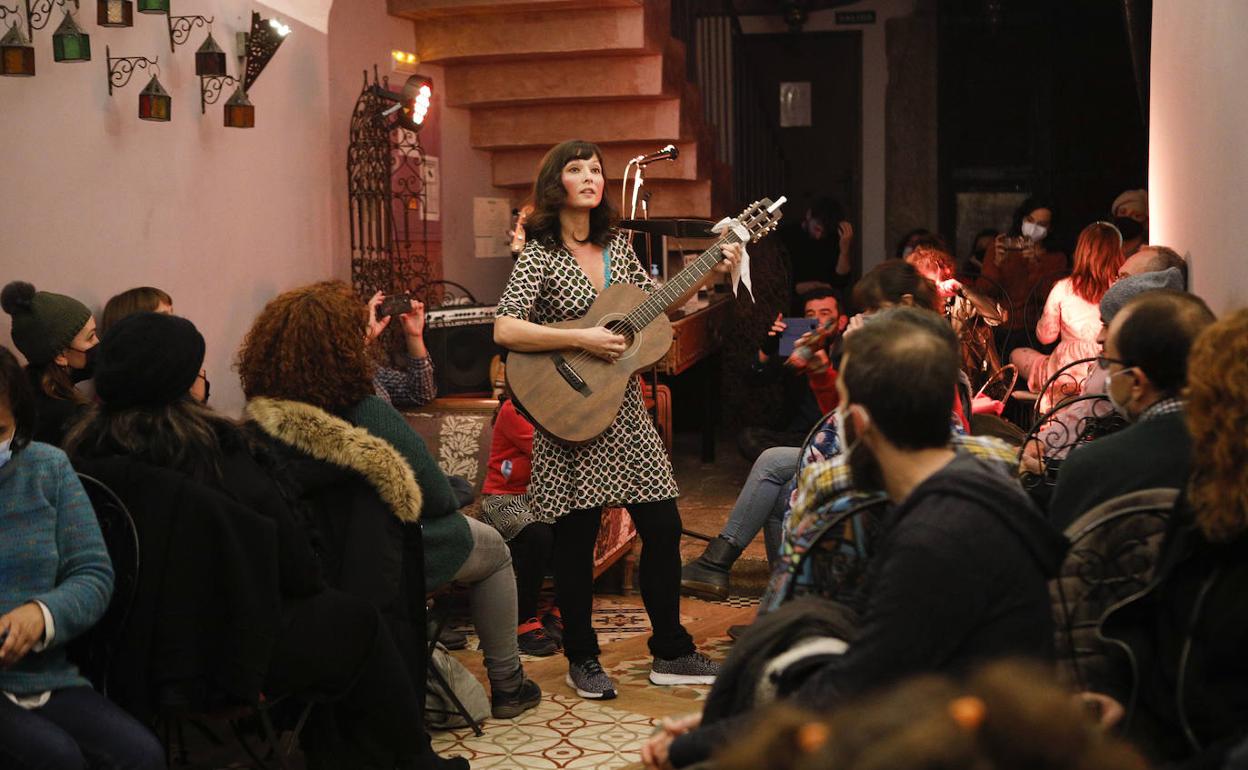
154, 6
209, 59
154, 102
114, 13
17, 57
239, 112
69, 43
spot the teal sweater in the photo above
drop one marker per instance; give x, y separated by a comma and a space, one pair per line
446, 537
51, 551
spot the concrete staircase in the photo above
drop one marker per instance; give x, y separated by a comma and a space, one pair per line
536, 72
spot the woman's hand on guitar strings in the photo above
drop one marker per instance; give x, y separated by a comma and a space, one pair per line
601, 342
732, 257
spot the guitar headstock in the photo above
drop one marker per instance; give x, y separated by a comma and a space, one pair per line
761, 217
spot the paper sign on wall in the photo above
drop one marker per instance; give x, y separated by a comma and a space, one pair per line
432, 172
491, 218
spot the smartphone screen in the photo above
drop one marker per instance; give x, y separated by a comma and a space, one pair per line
794, 328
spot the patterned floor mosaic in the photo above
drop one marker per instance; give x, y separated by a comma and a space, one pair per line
563, 732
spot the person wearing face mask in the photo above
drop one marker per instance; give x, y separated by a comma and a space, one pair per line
57, 336
1130, 215
55, 583
1017, 277
959, 573
1145, 363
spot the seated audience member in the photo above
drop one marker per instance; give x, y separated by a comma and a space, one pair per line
1053, 439
308, 377
1154, 259
809, 390
505, 506
916, 238
55, 583
330, 646
973, 265
1022, 277
959, 575
1004, 716
1130, 215
973, 315
1145, 362
57, 336
142, 299
1183, 689
764, 499
414, 385
1071, 314
819, 247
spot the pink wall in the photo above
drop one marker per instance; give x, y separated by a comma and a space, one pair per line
96, 201
1197, 157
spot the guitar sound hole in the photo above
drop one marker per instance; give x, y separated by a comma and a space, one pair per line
622, 328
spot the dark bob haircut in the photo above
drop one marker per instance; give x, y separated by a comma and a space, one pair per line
15, 388
549, 196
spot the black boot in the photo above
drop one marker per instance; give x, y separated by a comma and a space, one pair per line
706, 577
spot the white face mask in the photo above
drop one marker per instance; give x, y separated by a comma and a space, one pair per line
6, 451
1034, 231
1120, 408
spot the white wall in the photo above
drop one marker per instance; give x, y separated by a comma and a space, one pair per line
95, 201
874, 86
1198, 156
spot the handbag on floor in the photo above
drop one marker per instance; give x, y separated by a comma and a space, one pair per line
440, 710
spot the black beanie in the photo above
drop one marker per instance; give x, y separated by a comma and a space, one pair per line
148, 359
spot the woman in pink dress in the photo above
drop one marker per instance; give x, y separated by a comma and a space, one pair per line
1072, 315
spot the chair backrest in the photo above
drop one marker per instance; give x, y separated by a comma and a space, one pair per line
93, 651
835, 566
1064, 384
1074, 421
1113, 554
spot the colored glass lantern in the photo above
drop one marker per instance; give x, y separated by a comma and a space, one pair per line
209, 59
154, 102
17, 57
114, 13
239, 112
69, 43
154, 6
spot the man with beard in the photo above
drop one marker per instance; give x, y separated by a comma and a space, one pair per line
959, 573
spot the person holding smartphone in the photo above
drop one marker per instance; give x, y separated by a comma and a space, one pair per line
415, 385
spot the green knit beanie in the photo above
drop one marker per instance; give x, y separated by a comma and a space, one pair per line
44, 323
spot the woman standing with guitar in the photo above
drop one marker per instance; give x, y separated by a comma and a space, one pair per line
574, 252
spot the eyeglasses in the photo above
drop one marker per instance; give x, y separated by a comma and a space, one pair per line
1105, 361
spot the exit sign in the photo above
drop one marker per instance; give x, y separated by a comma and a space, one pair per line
855, 17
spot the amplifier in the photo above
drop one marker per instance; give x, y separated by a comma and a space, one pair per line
461, 344
460, 316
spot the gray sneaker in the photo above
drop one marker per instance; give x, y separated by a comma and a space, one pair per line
589, 680
694, 668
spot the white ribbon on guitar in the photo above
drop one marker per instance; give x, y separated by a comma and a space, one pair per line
741, 271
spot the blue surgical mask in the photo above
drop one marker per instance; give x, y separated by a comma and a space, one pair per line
6, 451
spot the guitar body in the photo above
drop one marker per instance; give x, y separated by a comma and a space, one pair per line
574, 396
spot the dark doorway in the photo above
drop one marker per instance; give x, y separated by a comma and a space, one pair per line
824, 158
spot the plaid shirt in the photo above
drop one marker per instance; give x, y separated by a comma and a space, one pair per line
825, 491
414, 386
1168, 406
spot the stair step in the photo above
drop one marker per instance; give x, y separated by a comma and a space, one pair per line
518, 167
676, 198
433, 9
545, 125
577, 32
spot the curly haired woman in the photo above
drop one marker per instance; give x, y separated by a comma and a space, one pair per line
309, 381
1188, 691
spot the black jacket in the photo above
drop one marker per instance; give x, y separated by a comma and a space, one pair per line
1153, 453
54, 417
1182, 647
206, 610
959, 578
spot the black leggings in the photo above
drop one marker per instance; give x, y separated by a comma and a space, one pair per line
658, 523
530, 556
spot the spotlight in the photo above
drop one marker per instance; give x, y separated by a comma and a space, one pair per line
410, 107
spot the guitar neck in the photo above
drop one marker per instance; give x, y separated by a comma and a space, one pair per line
682, 282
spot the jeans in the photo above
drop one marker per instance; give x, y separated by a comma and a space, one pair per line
658, 523
492, 586
763, 501
77, 728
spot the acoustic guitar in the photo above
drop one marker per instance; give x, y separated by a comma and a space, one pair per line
574, 396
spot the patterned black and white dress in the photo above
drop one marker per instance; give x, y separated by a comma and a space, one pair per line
627, 463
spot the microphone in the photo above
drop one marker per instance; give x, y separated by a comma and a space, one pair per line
667, 153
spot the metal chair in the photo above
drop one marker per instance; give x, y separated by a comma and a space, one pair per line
440, 612
1074, 421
